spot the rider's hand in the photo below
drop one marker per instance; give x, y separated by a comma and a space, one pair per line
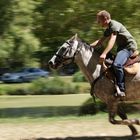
102, 61
102, 58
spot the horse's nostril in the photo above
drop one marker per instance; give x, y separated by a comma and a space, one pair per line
50, 63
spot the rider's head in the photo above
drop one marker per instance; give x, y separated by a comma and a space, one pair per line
103, 18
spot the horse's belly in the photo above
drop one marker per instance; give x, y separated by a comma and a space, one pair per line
104, 89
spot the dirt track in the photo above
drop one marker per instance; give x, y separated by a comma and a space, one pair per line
65, 130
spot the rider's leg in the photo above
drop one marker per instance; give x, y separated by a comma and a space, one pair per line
121, 58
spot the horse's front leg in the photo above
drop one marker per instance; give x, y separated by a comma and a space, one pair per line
123, 116
115, 109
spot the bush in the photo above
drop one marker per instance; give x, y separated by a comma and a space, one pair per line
79, 77
42, 86
53, 86
89, 107
19, 91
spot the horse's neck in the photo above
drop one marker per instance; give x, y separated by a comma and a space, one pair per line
87, 60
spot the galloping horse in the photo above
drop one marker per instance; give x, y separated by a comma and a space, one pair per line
86, 57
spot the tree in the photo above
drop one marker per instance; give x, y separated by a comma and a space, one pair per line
32, 30
17, 40
59, 20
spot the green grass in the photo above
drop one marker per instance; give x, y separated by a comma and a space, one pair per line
48, 108
55, 119
43, 100
37, 107
14, 108
14, 85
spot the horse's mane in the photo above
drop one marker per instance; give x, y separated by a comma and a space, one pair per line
85, 43
98, 49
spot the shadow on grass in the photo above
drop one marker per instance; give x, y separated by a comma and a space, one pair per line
49, 111
92, 138
35, 112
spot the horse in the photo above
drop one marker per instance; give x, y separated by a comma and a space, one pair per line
75, 50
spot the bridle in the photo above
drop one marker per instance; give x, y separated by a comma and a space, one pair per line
63, 58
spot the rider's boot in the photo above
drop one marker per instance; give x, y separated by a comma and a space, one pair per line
119, 93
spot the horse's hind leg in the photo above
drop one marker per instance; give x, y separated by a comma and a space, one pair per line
123, 116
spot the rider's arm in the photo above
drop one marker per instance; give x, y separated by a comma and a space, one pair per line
110, 44
98, 42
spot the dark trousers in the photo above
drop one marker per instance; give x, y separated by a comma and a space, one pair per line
121, 58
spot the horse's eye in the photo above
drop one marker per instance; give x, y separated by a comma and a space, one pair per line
71, 41
64, 48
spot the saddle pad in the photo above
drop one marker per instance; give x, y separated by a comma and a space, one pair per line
132, 69
131, 61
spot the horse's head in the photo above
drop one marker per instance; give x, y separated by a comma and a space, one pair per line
65, 54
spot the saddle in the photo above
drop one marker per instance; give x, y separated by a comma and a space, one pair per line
131, 66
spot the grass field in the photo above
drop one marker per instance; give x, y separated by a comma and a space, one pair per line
14, 107
43, 100
40, 117
55, 117
41, 106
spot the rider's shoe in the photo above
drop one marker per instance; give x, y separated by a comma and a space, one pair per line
120, 95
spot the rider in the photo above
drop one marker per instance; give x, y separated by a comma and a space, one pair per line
115, 32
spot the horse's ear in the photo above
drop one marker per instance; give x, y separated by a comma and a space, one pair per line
75, 36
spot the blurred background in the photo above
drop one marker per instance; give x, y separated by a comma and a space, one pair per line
32, 30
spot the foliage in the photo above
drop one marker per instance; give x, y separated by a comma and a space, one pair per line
53, 86
12, 91
79, 77
31, 31
17, 40
42, 86
61, 20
